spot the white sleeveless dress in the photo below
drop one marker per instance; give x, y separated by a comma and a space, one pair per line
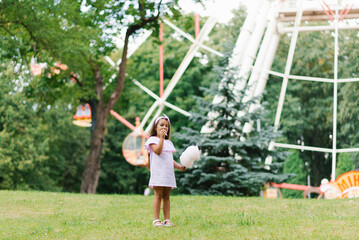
162, 169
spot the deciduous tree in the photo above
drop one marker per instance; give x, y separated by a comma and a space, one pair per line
78, 34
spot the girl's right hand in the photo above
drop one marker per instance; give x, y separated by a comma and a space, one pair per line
163, 133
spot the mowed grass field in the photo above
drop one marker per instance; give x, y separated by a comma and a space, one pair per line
46, 215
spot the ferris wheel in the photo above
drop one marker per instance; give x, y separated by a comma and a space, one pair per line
133, 145
258, 41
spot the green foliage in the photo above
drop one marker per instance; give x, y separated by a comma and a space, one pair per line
344, 164
23, 142
22, 146
69, 147
40, 148
76, 33
348, 115
294, 164
117, 175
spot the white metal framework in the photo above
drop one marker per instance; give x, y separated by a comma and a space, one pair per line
273, 15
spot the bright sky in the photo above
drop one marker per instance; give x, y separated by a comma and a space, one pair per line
221, 8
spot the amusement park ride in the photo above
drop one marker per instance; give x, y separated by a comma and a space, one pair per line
253, 56
274, 16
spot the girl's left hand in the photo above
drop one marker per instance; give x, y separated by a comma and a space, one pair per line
182, 168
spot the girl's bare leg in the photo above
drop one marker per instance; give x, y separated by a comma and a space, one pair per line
157, 201
166, 202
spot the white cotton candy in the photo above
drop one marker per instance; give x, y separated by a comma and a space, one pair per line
189, 155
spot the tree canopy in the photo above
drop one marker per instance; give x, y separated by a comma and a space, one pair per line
78, 34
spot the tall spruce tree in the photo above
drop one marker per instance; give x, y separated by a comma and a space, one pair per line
232, 162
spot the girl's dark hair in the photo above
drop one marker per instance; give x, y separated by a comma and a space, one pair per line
154, 132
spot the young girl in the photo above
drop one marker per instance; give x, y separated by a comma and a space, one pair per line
162, 166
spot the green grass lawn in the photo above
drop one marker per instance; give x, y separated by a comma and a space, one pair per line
45, 215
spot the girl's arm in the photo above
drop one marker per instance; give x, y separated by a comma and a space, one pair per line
158, 148
178, 166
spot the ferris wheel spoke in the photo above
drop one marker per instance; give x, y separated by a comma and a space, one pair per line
110, 61
149, 92
190, 38
177, 109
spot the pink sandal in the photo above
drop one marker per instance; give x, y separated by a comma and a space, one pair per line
167, 223
157, 223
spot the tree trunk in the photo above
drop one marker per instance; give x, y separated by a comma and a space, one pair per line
92, 168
